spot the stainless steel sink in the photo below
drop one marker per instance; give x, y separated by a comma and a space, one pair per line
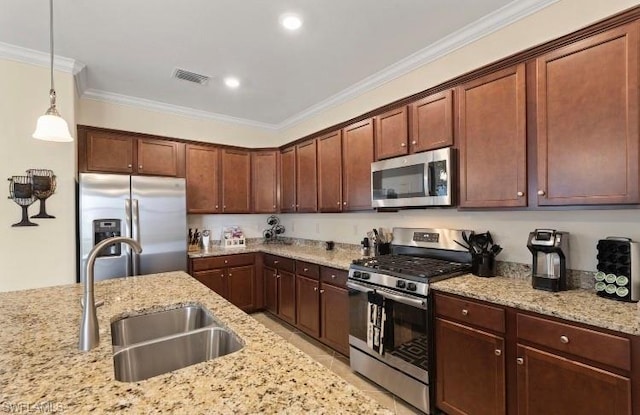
137, 329
154, 357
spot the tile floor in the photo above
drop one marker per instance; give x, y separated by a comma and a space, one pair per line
335, 362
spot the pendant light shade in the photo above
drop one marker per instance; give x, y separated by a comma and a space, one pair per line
51, 126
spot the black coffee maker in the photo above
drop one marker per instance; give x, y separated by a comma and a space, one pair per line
550, 250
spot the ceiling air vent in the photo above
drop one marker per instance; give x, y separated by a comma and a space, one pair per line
190, 76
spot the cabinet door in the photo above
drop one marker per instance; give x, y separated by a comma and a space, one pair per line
392, 133
492, 112
306, 183
241, 287
270, 289
236, 181
157, 157
334, 317
109, 152
431, 122
549, 384
264, 182
287, 296
587, 120
203, 179
357, 156
288, 180
470, 370
214, 279
330, 172
308, 305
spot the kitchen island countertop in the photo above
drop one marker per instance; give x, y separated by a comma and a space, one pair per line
41, 367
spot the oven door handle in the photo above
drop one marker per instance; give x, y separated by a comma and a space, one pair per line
414, 302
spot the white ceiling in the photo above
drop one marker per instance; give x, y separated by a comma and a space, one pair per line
131, 48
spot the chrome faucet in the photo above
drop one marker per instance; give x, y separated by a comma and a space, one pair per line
89, 334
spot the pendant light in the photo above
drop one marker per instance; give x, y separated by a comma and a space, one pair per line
51, 126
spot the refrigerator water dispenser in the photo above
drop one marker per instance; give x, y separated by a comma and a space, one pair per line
107, 228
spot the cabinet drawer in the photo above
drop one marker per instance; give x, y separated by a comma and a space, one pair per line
471, 312
590, 344
308, 269
202, 264
278, 262
334, 276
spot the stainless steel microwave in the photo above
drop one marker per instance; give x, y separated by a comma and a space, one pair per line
422, 179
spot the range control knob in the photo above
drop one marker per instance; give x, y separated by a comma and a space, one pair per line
401, 284
356, 274
365, 275
411, 286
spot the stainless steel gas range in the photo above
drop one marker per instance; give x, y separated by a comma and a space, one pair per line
390, 334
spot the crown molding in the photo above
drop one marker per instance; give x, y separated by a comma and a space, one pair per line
478, 29
111, 97
36, 57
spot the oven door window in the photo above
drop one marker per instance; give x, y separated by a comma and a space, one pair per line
406, 333
399, 183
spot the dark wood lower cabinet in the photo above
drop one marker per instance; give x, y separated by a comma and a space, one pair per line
214, 279
241, 287
287, 296
270, 289
334, 317
550, 384
470, 369
308, 305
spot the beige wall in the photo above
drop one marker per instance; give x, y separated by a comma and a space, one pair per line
41, 255
559, 19
123, 117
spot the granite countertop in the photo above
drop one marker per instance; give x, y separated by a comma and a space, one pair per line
336, 258
41, 367
578, 305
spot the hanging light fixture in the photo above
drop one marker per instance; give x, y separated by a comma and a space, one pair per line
51, 126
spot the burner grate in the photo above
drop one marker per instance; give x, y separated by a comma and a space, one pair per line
409, 265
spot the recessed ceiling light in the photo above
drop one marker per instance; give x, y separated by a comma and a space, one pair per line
290, 21
232, 82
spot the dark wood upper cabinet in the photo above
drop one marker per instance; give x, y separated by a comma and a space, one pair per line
357, 156
158, 157
587, 120
392, 133
330, 172
492, 140
203, 166
107, 152
431, 122
101, 151
306, 177
288, 179
264, 183
236, 181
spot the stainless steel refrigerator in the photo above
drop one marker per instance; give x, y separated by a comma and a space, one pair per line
151, 210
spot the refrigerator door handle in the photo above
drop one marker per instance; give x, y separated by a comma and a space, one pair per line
128, 232
135, 216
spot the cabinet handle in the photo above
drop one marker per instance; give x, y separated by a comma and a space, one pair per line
297, 205
498, 352
315, 288
276, 261
540, 192
216, 206
344, 203
140, 167
520, 194
277, 276
414, 142
293, 206
465, 312
224, 206
403, 144
564, 339
230, 274
338, 203
520, 361
129, 166
274, 206
321, 291
333, 277
305, 269
226, 262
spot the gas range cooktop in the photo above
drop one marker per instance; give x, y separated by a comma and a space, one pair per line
404, 265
